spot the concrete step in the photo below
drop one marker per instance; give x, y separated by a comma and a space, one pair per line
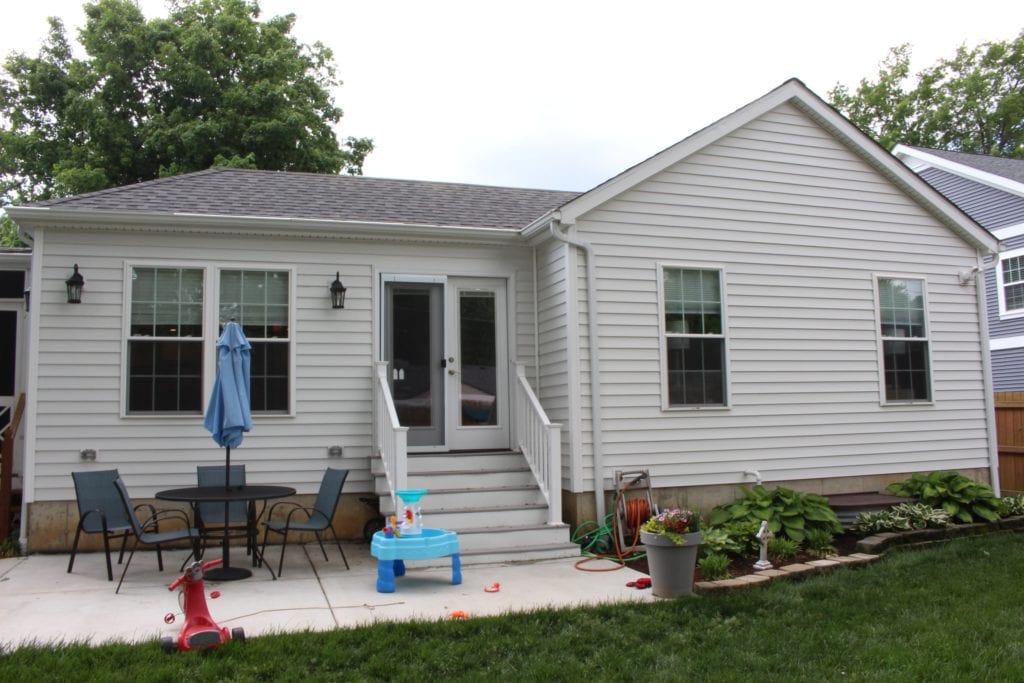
455, 499
469, 462
490, 499
486, 518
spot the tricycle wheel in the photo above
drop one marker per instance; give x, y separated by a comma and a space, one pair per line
238, 633
169, 645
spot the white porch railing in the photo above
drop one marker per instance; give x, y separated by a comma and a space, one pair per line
389, 437
540, 441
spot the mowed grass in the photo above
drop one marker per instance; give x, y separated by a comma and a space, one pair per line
946, 613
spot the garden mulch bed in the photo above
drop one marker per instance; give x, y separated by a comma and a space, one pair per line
845, 544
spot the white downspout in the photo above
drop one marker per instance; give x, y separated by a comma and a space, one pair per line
986, 365
595, 366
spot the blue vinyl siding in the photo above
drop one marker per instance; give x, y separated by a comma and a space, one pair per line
1008, 370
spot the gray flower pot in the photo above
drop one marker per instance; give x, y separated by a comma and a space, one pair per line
671, 566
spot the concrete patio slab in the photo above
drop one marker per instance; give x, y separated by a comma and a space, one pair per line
40, 603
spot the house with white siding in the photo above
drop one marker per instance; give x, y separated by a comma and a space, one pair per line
773, 298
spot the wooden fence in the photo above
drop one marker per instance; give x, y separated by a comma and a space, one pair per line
1010, 431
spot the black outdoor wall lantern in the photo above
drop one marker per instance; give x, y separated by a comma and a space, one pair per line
337, 292
74, 284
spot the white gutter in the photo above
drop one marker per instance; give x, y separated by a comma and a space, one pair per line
32, 216
595, 366
986, 368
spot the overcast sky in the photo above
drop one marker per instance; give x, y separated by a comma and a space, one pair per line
563, 94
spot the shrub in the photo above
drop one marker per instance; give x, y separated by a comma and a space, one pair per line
902, 517
714, 566
789, 513
819, 542
963, 499
782, 548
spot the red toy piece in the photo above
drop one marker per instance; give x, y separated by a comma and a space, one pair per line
200, 631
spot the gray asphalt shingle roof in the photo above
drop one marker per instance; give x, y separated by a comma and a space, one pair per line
275, 194
1013, 169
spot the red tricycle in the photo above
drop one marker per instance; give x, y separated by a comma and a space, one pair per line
200, 631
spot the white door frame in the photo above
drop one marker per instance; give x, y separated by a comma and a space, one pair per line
457, 435
465, 402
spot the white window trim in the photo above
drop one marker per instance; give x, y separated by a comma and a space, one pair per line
211, 327
213, 311
660, 268
883, 400
1005, 314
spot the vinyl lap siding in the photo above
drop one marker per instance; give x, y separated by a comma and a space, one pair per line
80, 363
1008, 369
991, 207
555, 347
799, 225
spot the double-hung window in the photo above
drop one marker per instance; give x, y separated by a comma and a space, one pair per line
1010, 277
903, 330
168, 340
694, 343
165, 341
258, 301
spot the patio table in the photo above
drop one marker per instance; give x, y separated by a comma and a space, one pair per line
392, 551
194, 495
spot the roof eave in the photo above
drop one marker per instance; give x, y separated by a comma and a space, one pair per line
30, 217
923, 159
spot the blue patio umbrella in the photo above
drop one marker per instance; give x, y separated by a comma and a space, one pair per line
228, 414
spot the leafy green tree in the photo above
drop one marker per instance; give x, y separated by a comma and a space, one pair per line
972, 102
208, 85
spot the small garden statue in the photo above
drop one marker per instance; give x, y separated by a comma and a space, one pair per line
764, 534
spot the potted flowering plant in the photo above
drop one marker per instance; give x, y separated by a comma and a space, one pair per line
673, 524
671, 538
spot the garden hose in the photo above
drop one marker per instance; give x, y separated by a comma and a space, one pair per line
595, 542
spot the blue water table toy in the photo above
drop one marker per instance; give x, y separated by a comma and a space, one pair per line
410, 520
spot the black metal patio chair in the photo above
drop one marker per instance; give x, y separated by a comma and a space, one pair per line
210, 517
100, 511
148, 533
316, 519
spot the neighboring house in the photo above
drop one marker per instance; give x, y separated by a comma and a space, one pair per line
775, 297
991, 191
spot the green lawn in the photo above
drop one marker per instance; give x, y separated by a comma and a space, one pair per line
953, 612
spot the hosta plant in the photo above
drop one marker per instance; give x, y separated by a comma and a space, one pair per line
964, 499
1012, 506
902, 517
715, 540
789, 513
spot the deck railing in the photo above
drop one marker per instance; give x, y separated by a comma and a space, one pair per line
540, 442
389, 437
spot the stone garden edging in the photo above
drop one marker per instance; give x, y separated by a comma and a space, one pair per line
869, 549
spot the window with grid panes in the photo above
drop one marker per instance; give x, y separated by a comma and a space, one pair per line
1012, 270
258, 301
165, 341
904, 334
694, 337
